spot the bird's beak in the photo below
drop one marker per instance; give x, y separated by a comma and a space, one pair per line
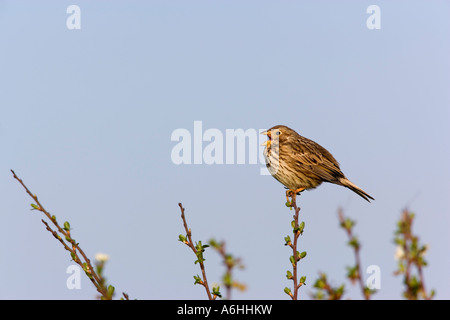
266, 143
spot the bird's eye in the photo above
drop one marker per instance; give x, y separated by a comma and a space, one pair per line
278, 133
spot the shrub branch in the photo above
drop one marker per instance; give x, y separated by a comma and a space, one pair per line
297, 229
198, 251
62, 234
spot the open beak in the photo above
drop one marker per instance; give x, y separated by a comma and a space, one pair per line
267, 143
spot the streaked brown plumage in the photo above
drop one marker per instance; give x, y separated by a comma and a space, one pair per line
301, 164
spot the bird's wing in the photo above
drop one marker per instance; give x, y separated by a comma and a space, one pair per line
316, 159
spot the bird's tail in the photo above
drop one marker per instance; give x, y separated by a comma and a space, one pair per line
346, 183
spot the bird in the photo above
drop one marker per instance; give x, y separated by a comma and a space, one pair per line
302, 164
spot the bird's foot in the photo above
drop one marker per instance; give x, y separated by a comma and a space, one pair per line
292, 194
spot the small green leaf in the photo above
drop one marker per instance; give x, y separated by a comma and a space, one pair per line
432, 293
287, 291
197, 279
201, 247
35, 207
216, 292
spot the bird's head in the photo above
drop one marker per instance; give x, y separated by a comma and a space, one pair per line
276, 135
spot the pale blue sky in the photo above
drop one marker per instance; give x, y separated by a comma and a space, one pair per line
86, 118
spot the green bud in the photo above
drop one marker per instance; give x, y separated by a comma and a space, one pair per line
352, 272
354, 242
110, 290
303, 279
301, 227
340, 290
227, 281
288, 274
213, 243
303, 254
348, 224
35, 207
287, 291
287, 239
320, 283
86, 270
66, 226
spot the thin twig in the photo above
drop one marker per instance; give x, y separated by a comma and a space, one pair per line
190, 244
324, 286
412, 258
230, 262
221, 250
296, 256
86, 266
297, 285
356, 247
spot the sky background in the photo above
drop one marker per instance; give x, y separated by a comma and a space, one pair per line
86, 118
